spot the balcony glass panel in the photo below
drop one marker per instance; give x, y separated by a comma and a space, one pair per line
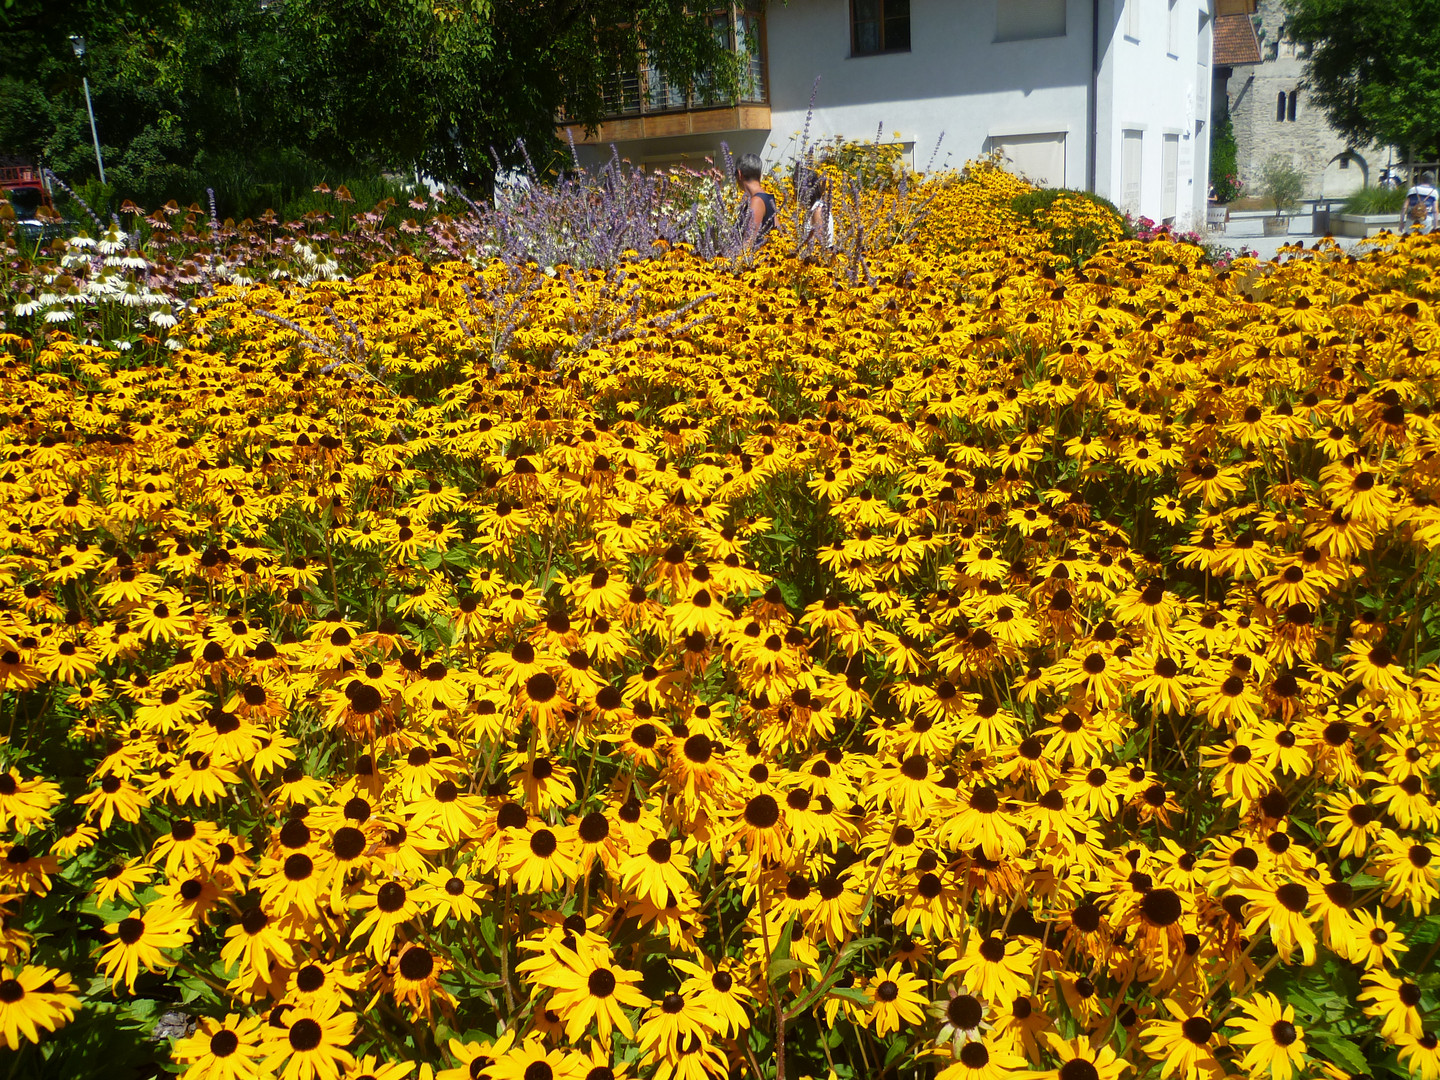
739, 32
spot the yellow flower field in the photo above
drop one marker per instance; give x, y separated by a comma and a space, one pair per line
975, 662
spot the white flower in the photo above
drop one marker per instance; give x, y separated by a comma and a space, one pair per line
163, 319
60, 316
114, 240
27, 307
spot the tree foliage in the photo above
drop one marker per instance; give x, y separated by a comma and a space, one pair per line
230, 93
1374, 67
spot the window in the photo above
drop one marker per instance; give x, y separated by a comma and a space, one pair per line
738, 32
1026, 20
1039, 157
1169, 176
1290, 112
879, 26
1132, 145
1280, 107
1172, 32
1132, 19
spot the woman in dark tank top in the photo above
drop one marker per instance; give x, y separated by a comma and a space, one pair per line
756, 221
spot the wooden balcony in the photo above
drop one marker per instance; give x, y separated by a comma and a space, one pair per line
700, 121
643, 104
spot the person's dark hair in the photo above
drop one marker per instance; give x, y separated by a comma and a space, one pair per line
809, 186
748, 166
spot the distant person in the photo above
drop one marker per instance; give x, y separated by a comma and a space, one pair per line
1421, 203
812, 190
757, 210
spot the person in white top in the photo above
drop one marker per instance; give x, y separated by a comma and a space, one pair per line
812, 192
1421, 204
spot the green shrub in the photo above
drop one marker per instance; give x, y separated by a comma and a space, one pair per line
1224, 164
1030, 203
1375, 200
1076, 236
1281, 183
877, 165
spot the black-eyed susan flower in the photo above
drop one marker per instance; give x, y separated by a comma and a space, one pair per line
228, 1049
34, 1000
1275, 1044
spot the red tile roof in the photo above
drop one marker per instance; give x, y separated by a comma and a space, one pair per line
1235, 41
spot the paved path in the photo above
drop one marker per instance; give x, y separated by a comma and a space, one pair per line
1249, 233
1267, 247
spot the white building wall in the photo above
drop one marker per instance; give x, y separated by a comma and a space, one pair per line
983, 93
956, 80
1157, 78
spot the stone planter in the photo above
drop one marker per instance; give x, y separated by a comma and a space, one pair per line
1276, 226
1362, 225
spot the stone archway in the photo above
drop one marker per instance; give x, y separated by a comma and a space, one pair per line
1345, 174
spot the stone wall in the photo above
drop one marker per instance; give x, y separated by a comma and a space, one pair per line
1331, 166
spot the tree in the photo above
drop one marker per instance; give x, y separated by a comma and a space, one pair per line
1374, 67
225, 93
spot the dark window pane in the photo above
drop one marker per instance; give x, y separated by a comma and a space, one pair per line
865, 26
867, 38
897, 31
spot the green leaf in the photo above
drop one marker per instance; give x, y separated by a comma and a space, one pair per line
782, 943
896, 1050
780, 968
1339, 1050
791, 595
854, 947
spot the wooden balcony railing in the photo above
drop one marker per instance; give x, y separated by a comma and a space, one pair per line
644, 104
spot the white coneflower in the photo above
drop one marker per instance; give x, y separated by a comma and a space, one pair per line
28, 307
163, 319
63, 315
964, 1017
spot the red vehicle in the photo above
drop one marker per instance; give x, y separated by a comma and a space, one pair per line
25, 189
29, 196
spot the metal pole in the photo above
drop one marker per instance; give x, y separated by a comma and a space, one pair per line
93, 133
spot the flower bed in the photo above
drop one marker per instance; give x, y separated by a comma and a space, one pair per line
973, 653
